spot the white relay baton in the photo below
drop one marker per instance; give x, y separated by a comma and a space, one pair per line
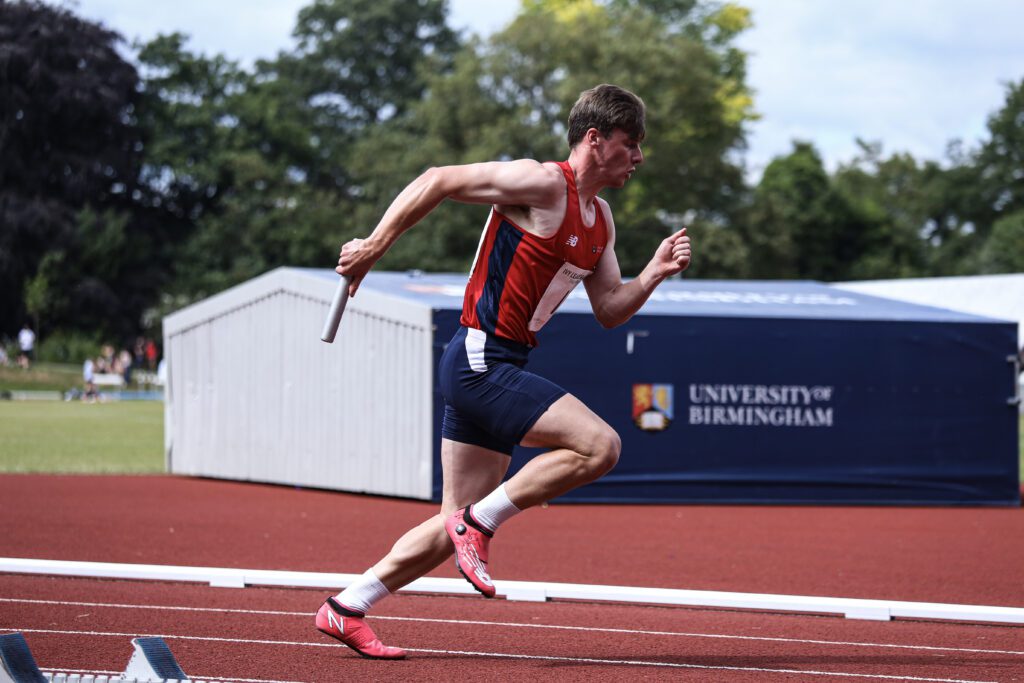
337, 309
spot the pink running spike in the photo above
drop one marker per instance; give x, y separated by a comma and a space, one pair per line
354, 632
471, 542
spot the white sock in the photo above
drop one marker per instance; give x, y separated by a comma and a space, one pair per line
363, 593
494, 509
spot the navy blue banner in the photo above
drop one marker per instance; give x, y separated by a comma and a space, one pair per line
744, 393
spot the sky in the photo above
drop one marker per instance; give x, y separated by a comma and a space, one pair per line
911, 74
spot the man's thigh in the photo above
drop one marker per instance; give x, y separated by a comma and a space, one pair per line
567, 423
470, 473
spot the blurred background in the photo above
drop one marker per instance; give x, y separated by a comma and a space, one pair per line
154, 154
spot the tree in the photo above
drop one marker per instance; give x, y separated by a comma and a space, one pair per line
1003, 251
69, 143
358, 63
1001, 159
256, 166
799, 225
508, 97
357, 60
891, 199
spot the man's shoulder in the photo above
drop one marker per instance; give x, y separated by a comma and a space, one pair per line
606, 208
555, 172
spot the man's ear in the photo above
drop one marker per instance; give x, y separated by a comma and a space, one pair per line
593, 137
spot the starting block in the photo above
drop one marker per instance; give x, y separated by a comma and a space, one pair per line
151, 662
18, 664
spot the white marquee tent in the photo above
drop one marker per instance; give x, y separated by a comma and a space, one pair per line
994, 296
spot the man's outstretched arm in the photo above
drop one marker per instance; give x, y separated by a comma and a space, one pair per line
522, 183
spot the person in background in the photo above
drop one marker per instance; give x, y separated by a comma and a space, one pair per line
124, 361
88, 377
151, 353
27, 345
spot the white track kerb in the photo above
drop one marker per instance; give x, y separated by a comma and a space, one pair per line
851, 608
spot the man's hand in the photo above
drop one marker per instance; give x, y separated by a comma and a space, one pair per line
673, 254
355, 261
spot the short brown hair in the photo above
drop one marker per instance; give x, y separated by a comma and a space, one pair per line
607, 107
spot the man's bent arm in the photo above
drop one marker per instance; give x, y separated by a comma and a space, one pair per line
523, 183
614, 302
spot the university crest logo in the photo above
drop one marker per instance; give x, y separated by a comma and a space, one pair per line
652, 406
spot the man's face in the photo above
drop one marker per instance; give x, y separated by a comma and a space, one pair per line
618, 156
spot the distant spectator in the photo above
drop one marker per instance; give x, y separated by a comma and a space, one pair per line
124, 365
139, 352
4, 360
105, 362
161, 373
151, 354
27, 344
89, 376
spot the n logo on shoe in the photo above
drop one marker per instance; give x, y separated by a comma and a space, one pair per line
336, 621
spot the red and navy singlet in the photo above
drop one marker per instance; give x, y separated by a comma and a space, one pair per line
519, 280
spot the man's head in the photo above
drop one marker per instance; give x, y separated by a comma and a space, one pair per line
607, 108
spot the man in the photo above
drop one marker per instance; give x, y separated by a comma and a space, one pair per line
27, 346
547, 231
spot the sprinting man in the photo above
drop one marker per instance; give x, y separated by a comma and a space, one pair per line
547, 231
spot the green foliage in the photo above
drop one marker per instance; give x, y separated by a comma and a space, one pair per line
800, 226
127, 193
81, 438
69, 347
891, 203
356, 62
508, 98
70, 144
879, 217
1003, 251
1001, 159
724, 252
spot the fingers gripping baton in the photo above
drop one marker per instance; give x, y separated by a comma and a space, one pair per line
337, 309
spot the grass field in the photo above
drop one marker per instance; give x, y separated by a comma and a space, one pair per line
76, 437
42, 377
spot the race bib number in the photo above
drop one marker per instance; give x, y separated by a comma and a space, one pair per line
564, 281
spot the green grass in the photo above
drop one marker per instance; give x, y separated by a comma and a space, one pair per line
76, 437
41, 377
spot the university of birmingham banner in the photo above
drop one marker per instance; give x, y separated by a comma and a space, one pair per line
755, 392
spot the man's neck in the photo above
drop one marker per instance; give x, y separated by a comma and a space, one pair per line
587, 175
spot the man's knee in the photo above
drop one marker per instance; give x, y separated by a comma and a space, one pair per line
605, 450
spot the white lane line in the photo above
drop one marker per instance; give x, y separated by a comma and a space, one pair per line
509, 655
506, 655
512, 624
626, 662
723, 636
211, 679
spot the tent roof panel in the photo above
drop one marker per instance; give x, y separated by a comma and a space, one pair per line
714, 298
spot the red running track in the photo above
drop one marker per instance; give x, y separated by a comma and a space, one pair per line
962, 555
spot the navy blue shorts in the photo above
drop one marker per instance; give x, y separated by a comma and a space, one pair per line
489, 400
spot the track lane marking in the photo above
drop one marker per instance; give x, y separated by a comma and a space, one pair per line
211, 679
512, 624
506, 655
